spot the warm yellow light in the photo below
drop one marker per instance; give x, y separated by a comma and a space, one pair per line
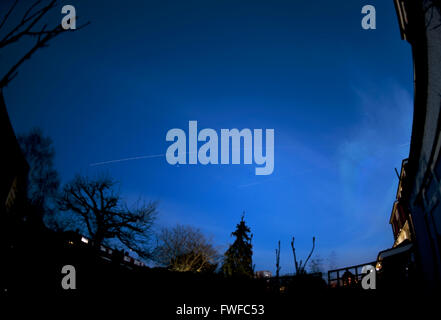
378, 266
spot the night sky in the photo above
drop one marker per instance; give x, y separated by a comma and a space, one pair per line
338, 97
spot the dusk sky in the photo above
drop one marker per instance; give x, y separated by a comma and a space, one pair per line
338, 97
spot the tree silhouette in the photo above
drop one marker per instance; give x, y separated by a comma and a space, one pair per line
184, 248
238, 257
31, 25
43, 180
301, 266
100, 208
278, 261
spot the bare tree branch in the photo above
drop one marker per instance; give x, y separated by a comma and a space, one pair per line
105, 215
5, 18
294, 253
184, 248
301, 267
17, 33
28, 26
312, 250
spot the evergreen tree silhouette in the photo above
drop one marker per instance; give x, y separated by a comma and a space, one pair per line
238, 258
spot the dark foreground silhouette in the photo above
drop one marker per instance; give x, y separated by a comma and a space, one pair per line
34, 258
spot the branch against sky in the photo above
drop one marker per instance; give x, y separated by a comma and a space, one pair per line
31, 25
101, 209
300, 267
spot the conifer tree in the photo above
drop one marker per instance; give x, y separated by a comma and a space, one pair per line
238, 258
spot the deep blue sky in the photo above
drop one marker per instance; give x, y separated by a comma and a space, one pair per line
338, 97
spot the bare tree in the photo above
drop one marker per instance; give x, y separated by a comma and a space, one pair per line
300, 266
184, 248
31, 25
100, 208
278, 261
